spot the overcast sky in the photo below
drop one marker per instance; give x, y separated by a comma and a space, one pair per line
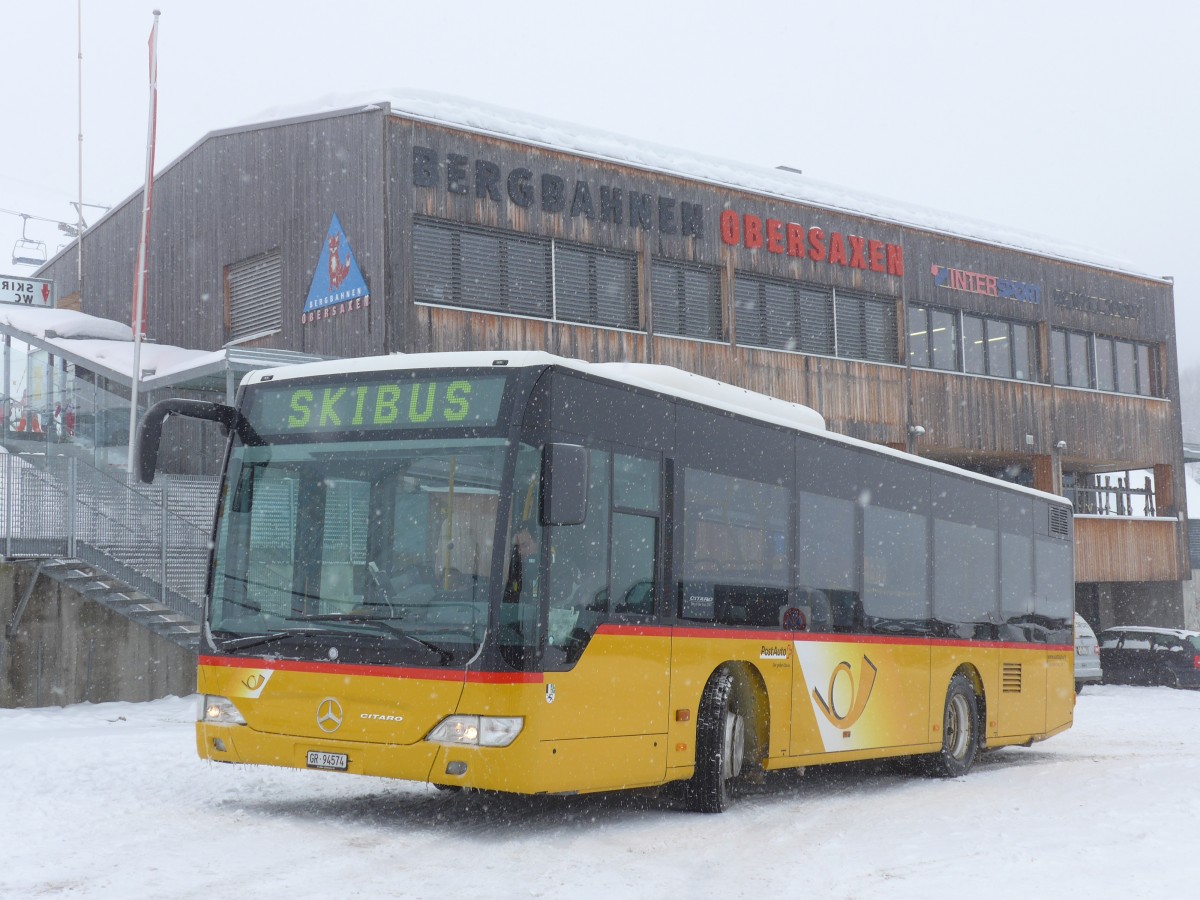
1076, 120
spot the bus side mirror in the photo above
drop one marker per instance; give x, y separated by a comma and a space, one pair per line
149, 433
564, 484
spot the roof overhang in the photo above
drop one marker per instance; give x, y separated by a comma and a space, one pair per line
195, 370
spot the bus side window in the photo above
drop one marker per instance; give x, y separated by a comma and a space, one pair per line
827, 562
519, 614
735, 561
604, 566
633, 564
578, 575
819, 617
636, 492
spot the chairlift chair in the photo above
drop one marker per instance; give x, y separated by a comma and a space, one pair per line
26, 251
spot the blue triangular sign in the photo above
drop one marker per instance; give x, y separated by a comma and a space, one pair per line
337, 279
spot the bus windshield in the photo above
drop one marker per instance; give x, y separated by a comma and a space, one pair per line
379, 548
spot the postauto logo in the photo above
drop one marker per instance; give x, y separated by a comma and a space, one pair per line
859, 693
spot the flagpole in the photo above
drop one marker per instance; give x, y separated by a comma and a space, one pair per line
139, 284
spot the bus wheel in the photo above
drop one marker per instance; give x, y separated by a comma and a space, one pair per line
960, 731
720, 745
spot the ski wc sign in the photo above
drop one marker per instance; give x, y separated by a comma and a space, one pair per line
27, 291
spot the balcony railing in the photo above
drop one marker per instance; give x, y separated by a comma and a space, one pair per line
1111, 494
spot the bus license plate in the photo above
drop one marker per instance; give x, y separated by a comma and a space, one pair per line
318, 759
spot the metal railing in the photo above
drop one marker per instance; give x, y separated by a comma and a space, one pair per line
154, 538
1111, 495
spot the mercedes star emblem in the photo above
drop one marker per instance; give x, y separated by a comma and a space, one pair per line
329, 715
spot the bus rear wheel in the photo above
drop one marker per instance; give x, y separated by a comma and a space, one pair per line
960, 731
720, 744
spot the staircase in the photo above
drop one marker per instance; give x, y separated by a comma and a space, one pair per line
110, 592
139, 550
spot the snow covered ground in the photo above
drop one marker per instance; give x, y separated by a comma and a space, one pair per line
110, 800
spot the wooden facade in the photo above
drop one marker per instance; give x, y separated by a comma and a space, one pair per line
1111, 549
274, 188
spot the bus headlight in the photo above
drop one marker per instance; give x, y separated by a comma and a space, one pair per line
477, 731
219, 711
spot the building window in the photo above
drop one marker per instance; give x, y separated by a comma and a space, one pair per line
595, 286
506, 272
918, 336
480, 268
957, 341
791, 315
1079, 360
1025, 355
1106, 376
254, 297
974, 346
1104, 363
686, 300
784, 315
943, 340
1147, 375
1058, 357
866, 326
999, 345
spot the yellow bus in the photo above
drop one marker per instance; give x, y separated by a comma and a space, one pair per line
523, 573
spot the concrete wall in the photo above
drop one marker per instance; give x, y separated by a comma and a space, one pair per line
70, 649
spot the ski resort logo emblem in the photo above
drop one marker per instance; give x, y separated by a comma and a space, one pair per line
329, 715
337, 285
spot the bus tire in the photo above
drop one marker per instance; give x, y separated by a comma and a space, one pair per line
960, 731
721, 744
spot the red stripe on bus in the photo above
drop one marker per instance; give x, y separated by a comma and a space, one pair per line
374, 671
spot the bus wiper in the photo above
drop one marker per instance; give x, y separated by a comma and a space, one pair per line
380, 622
253, 640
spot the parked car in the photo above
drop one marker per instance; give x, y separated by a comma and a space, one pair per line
1135, 654
1087, 654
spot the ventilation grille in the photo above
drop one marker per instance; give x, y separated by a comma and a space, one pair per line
1010, 678
1060, 521
255, 296
687, 300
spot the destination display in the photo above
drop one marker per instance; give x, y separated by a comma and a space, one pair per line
376, 405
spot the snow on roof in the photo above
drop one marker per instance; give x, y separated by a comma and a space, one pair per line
62, 323
543, 131
106, 346
103, 345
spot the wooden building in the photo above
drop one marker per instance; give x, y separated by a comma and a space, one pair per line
425, 223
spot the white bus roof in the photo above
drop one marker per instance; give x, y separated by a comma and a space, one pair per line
664, 379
